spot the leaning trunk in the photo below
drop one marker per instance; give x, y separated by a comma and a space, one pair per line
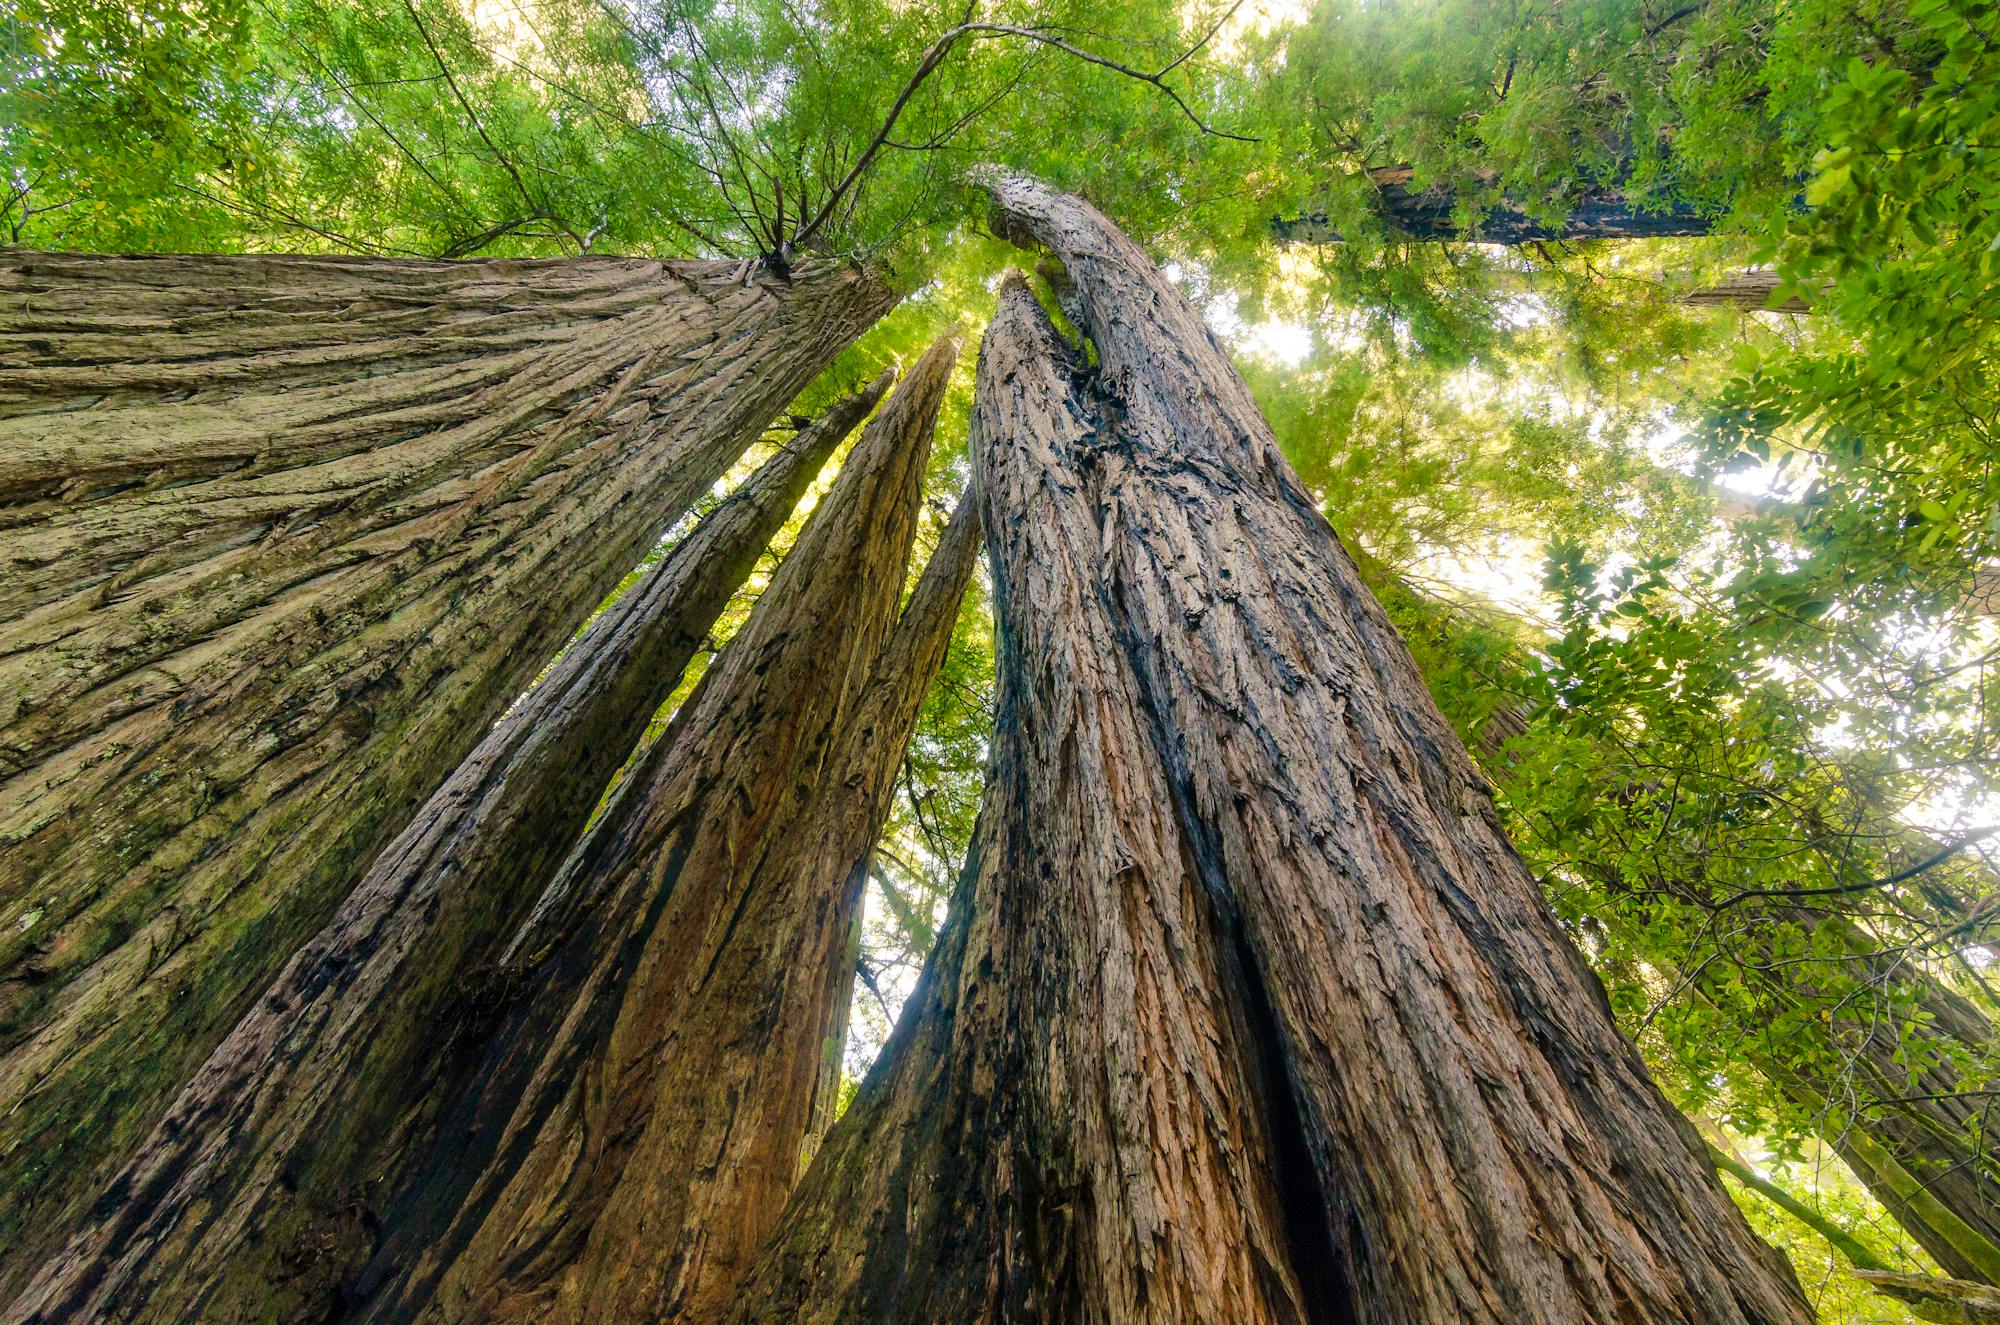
1590, 211
258, 1178
1909, 1124
636, 1123
1250, 1011
283, 537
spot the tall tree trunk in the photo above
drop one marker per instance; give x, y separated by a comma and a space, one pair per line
283, 537
1347, 1067
1591, 212
637, 1123
296, 1115
1068, 1122
1915, 1132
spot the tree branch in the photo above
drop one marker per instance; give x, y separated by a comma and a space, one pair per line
1835, 890
934, 56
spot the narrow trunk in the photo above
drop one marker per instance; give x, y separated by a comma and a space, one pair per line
833, 1046
1908, 1126
1750, 291
636, 1123
283, 537
851, 812
325, 1070
1591, 212
1421, 1109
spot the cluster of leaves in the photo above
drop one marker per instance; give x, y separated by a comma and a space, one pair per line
434, 128
1888, 410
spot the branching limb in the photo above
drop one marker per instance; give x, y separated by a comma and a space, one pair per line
934, 56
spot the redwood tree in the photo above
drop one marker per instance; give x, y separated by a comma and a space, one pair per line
283, 536
300, 1112
637, 1122
1249, 1010
1591, 211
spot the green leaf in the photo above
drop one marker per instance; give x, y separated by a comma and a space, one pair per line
1827, 185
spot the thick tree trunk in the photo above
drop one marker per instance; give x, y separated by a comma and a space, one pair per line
1593, 212
1249, 995
282, 537
324, 1073
637, 1123
1066, 1124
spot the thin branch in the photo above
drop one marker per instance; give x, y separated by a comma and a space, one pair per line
934, 56
478, 127
1900, 876
471, 244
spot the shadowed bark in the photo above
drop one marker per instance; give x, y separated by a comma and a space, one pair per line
637, 1121
339, 1058
1403, 1042
282, 537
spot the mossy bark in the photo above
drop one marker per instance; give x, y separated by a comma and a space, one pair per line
282, 538
297, 1118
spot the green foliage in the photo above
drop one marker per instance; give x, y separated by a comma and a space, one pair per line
1887, 407
1726, 730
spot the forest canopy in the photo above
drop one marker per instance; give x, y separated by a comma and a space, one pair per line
1643, 356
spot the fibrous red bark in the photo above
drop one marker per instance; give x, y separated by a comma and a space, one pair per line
637, 1122
1064, 1124
300, 1112
1414, 1105
282, 537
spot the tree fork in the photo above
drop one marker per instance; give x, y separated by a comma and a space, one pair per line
1473, 1138
283, 536
1063, 1125
326, 1070
636, 1122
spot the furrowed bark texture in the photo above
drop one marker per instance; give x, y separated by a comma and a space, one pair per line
1064, 1125
1594, 212
839, 845
266, 1158
282, 537
1459, 1130
1485, 1144
636, 1124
